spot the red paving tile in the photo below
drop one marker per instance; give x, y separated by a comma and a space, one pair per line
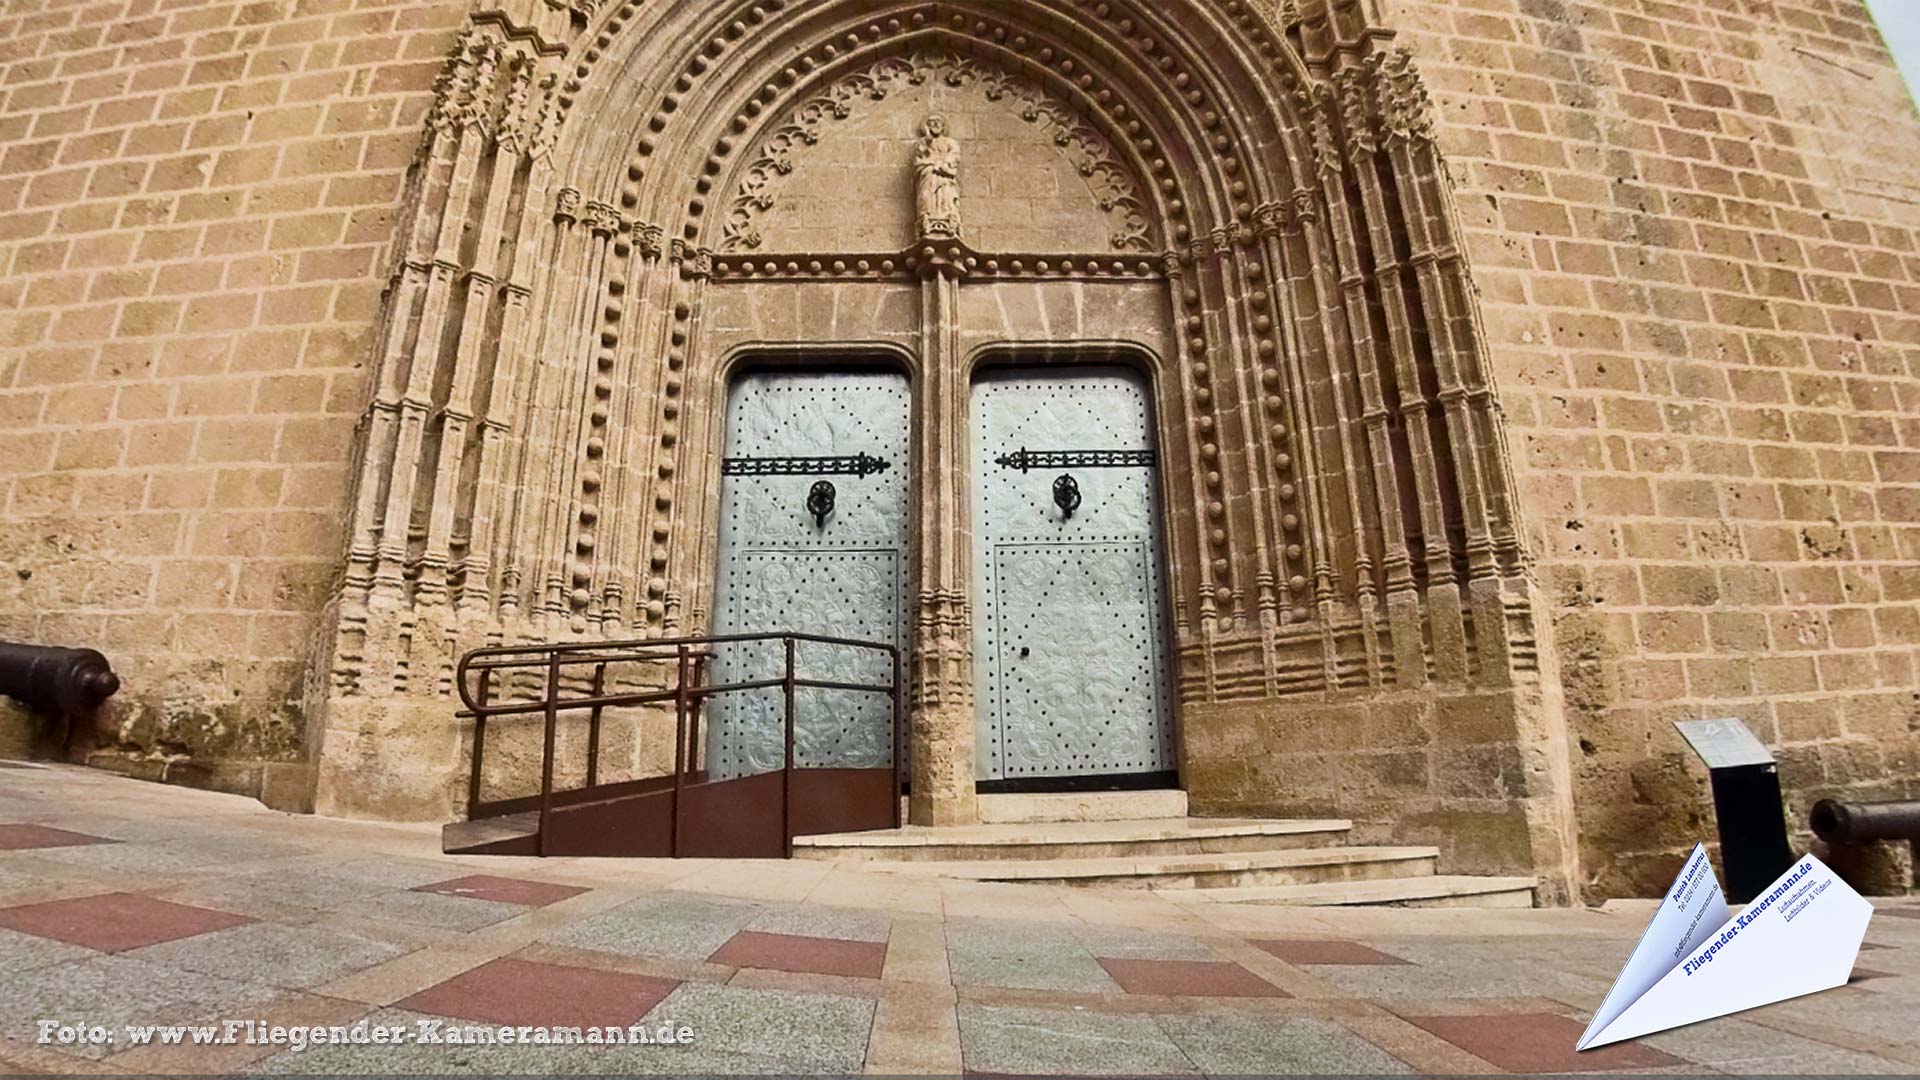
809, 955
1326, 952
1189, 978
517, 992
20, 836
1538, 1043
504, 890
115, 922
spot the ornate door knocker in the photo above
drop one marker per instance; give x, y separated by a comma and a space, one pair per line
1066, 494
820, 502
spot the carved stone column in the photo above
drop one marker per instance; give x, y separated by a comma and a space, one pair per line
942, 717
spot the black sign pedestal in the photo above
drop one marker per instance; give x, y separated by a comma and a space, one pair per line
1746, 804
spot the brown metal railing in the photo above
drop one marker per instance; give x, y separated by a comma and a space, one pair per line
689, 657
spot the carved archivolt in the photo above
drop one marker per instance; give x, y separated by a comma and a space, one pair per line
1108, 183
530, 461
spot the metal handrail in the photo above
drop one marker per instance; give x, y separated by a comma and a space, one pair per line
689, 656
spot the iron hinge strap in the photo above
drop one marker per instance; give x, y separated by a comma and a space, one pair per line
861, 464
1025, 459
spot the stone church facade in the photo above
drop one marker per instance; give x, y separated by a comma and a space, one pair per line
1444, 397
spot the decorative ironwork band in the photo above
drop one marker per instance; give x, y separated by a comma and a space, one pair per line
861, 464
1027, 459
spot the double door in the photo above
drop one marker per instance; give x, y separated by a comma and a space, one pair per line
1069, 642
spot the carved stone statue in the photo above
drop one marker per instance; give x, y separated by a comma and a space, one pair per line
936, 167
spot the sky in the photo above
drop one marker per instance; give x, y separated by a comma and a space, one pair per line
1899, 22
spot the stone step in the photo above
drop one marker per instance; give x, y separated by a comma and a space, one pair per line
1190, 873
1071, 840
1441, 890
1083, 806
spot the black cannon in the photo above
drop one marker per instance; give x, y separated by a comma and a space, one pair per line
68, 682
1860, 823
1852, 834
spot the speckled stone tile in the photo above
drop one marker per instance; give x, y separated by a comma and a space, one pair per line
1464, 969
114, 991
1123, 943
398, 873
19, 952
679, 927
1872, 1009
290, 956
1020, 1040
1027, 956
843, 923
293, 889
132, 858
810, 1032
1734, 1045
1227, 1043
431, 909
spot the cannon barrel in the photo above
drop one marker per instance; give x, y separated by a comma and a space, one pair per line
1858, 823
71, 682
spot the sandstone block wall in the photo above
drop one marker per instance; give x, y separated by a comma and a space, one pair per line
196, 202
1693, 226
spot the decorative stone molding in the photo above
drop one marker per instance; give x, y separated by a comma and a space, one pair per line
1108, 182
905, 265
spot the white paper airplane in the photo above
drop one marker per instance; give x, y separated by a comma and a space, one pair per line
1698, 960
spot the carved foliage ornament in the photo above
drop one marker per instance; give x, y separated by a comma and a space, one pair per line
491, 88
1404, 104
1091, 154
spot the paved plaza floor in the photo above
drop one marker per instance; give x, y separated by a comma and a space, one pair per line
126, 903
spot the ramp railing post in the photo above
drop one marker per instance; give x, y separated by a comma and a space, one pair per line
479, 739
679, 745
593, 725
546, 754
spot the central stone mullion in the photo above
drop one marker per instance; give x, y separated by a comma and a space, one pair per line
942, 717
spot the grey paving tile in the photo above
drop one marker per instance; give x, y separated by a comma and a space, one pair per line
289, 956
1237, 1044
992, 952
1733, 1045
411, 1058
844, 923
398, 873
20, 952
295, 888
1119, 942
1866, 1009
1010, 1039
114, 991
1465, 969
133, 858
431, 909
810, 1032
680, 927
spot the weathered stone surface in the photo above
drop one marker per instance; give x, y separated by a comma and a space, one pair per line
1516, 394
